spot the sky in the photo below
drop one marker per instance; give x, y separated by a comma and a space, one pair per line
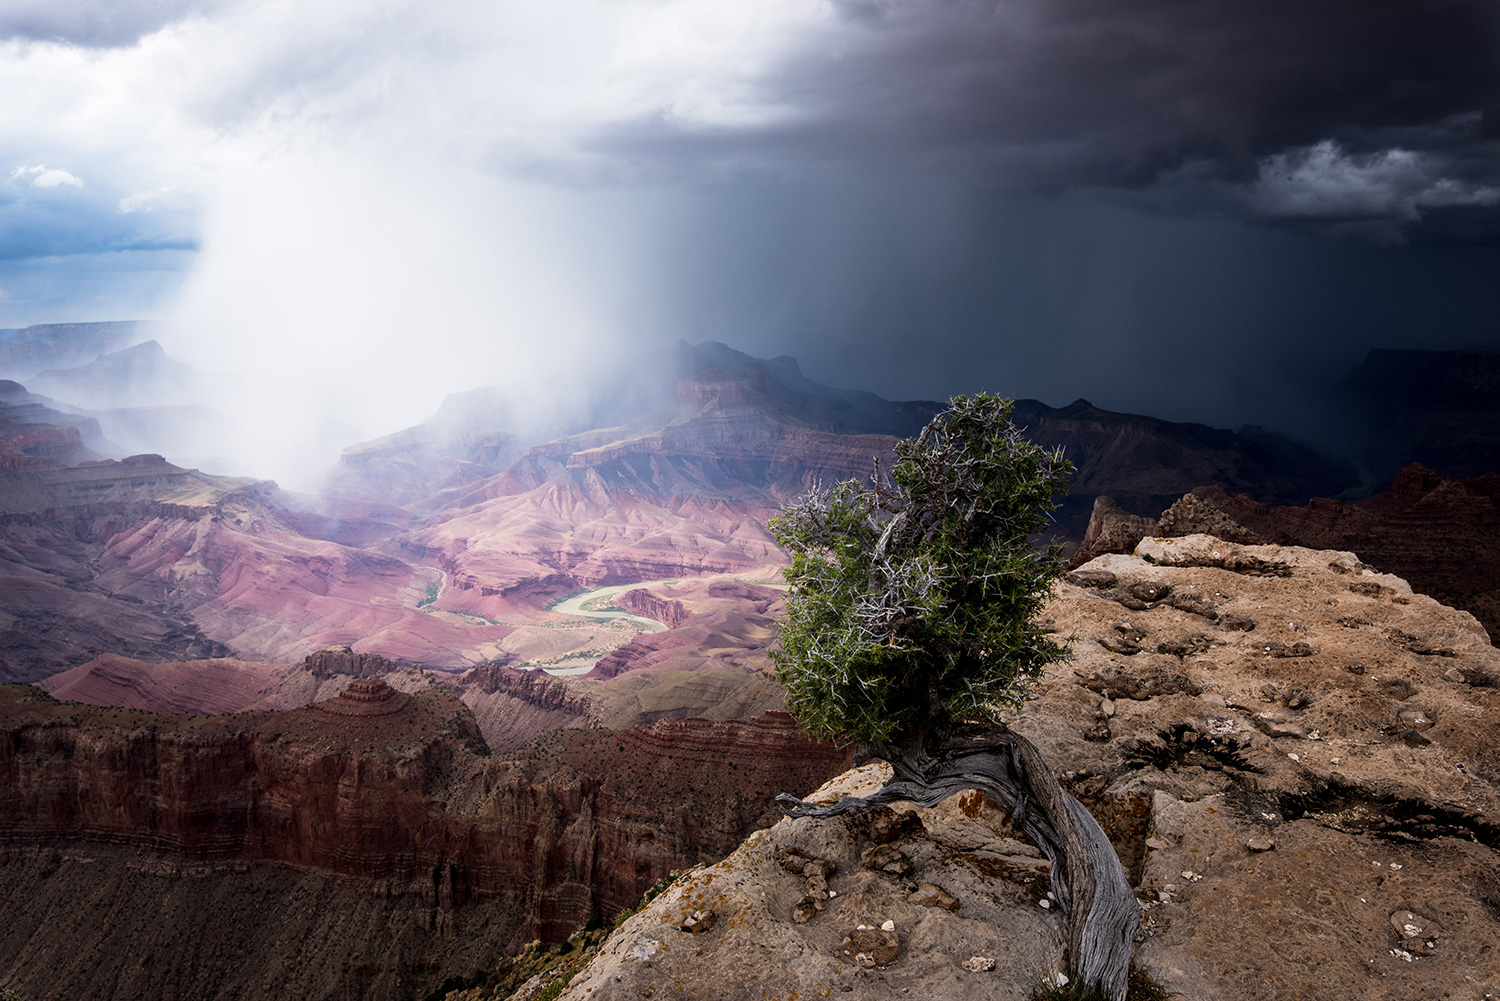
1199, 209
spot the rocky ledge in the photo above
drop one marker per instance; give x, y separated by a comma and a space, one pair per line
1293, 754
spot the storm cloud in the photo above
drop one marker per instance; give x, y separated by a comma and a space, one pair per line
1360, 117
94, 23
1202, 210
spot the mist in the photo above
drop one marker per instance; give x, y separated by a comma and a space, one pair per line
334, 302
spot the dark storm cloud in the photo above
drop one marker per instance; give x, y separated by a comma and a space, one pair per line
1315, 112
93, 23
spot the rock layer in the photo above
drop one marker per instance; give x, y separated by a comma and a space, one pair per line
384, 795
806, 909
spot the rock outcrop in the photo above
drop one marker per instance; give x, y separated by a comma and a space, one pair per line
940, 903
343, 660
381, 802
1439, 534
642, 602
1292, 753
515, 707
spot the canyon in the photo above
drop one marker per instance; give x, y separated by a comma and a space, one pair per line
364, 711
1287, 747
373, 807
444, 544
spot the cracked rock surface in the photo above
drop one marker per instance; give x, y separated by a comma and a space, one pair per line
1294, 755
1327, 760
881, 933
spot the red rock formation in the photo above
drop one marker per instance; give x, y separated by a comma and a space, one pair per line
643, 603
343, 660
402, 804
515, 707
730, 622
198, 686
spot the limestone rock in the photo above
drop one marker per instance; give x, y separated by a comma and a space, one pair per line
759, 949
1113, 530
1197, 515
932, 895
701, 920
884, 858
1328, 773
872, 946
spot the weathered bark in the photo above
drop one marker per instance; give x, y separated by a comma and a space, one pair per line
1087, 878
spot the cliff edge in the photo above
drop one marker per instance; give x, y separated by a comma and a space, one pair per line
1292, 753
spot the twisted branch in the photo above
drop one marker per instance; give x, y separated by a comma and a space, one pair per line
1087, 878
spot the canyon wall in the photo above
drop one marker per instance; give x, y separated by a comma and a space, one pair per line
375, 804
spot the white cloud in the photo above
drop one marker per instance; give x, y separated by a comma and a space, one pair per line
43, 177
142, 200
1323, 182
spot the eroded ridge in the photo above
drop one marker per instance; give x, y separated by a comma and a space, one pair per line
365, 697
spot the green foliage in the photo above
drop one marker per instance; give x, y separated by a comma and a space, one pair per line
912, 597
554, 989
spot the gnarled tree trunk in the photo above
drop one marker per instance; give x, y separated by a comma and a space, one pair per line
1087, 878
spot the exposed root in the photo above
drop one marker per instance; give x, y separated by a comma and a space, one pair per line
1087, 878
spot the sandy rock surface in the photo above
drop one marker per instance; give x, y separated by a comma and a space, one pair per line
1294, 755
862, 932
1313, 745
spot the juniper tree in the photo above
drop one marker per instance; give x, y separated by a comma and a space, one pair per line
910, 626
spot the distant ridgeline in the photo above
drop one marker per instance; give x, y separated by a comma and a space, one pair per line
29, 350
